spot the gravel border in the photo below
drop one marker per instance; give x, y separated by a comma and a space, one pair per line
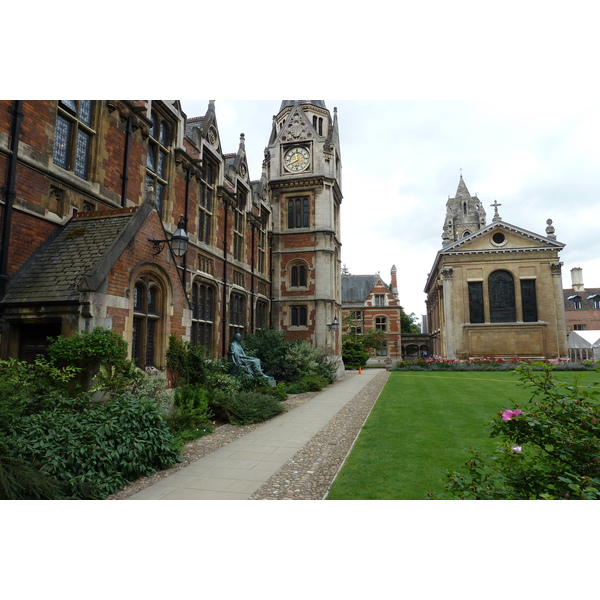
308, 475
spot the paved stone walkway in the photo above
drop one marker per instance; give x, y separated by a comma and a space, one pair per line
241, 468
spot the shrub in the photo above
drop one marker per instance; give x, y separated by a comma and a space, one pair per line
550, 448
94, 450
87, 351
287, 360
245, 408
311, 383
192, 417
187, 363
20, 480
354, 355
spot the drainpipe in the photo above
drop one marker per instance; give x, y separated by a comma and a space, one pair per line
188, 178
224, 326
253, 265
9, 192
125, 175
271, 271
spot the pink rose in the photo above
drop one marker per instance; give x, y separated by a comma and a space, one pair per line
507, 415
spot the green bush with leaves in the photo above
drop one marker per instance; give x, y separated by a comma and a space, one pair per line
188, 363
192, 417
550, 448
88, 351
354, 354
95, 449
287, 360
245, 408
310, 383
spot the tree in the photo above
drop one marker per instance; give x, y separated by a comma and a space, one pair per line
409, 323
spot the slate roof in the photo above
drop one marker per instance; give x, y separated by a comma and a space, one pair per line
586, 296
71, 261
356, 288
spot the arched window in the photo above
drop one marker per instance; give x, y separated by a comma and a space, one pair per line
298, 275
148, 302
203, 300
502, 297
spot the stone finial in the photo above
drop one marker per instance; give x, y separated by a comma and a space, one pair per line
495, 206
550, 230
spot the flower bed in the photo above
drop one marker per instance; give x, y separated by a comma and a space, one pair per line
492, 364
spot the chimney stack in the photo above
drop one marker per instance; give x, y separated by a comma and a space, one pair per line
577, 279
394, 281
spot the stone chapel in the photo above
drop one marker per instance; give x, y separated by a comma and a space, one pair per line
494, 289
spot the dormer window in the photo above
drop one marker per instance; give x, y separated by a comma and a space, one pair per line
576, 301
595, 300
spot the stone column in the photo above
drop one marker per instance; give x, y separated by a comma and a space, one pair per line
446, 274
560, 323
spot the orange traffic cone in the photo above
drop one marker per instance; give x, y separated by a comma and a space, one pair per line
360, 370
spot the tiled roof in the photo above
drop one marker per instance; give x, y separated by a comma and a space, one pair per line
356, 288
586, 298
55, 273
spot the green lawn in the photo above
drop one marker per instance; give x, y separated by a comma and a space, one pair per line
423, 424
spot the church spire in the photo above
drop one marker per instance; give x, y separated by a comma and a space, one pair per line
464, 214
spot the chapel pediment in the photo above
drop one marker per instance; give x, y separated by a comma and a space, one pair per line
498, 237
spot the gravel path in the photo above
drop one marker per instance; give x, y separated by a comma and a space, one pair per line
310, 472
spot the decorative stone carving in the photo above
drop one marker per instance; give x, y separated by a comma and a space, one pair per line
555, 268
447, 273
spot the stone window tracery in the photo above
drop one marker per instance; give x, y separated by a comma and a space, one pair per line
73, 136
148, 302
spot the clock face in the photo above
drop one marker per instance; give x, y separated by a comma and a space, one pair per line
296, 159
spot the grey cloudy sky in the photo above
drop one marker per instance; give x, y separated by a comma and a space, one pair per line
401, 160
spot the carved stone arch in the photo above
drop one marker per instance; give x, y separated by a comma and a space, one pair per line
298, 273
151, 301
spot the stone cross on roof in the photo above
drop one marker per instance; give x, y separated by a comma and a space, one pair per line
497, 217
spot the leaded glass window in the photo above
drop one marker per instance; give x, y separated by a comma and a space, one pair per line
237, 308
157, 160
529, 300
147, 309
205, 204
476, 314
202, 314
73, 136
298, 216
502, 297
299, 316
299, 276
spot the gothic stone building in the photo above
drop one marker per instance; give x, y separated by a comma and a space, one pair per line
368, 303
494, 290
98, 196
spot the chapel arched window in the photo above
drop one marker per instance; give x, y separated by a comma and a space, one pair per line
501, 287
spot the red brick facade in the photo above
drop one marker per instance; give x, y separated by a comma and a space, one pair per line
91, 184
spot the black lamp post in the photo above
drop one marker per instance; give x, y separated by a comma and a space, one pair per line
179, 241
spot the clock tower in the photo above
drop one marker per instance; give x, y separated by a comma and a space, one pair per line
303, 170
